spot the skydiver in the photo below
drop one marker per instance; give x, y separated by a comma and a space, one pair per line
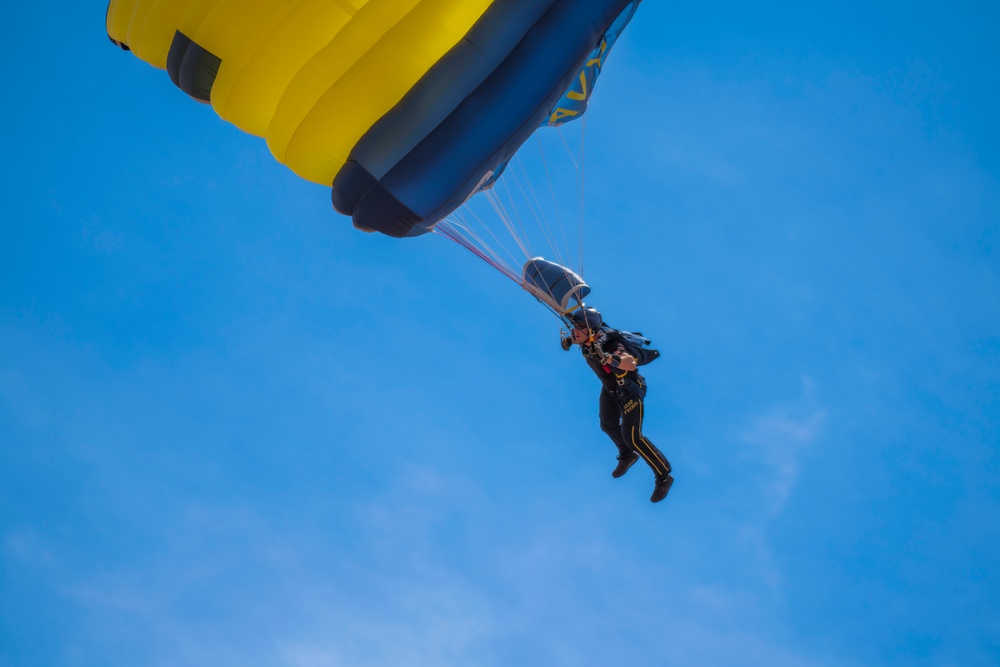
622, 392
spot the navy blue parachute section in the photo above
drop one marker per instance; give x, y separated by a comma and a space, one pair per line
574, 102
453, 132
553, 284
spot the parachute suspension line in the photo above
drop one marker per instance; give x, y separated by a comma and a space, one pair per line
559, 316
493, 197
569, 151
483, 244
583, 188
454, 234
577, 166
505, 218
552, 193
535, 210
523, 238
581, 172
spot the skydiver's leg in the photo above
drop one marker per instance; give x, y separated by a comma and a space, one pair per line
611, 420
632, 433
611, 423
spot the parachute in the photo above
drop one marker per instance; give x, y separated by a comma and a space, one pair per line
405, 108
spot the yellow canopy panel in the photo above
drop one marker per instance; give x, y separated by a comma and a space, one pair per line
310, 76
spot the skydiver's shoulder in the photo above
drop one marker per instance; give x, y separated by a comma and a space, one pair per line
609, 332
609, 337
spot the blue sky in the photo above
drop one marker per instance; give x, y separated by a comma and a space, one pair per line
235, 431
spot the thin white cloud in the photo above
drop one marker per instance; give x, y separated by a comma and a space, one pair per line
778, 437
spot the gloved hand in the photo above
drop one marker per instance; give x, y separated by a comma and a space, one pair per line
566, 343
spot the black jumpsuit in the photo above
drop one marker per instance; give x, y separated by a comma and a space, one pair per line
622, 393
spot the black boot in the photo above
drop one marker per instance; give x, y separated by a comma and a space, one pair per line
662, 487
625, 462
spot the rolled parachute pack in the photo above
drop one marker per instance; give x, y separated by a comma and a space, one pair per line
553, 284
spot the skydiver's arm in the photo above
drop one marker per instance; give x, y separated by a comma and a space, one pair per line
621, 359
626, 361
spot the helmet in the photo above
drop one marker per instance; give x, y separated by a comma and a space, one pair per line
586, 318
